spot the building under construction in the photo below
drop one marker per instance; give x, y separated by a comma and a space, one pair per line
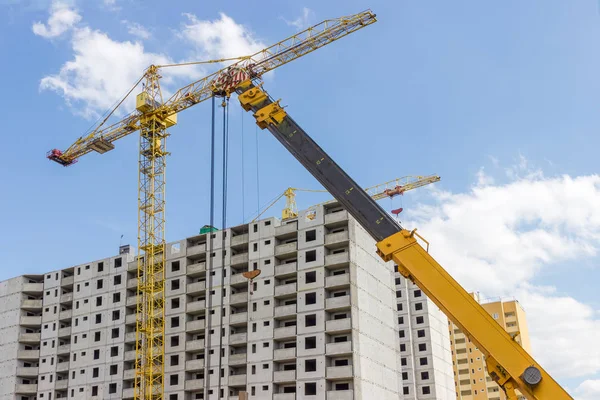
326, 318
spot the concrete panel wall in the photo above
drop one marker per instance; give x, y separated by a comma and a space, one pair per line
374, 335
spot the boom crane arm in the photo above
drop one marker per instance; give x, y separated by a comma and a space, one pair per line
507, 362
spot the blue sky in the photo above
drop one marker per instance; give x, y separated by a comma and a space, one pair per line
499, 98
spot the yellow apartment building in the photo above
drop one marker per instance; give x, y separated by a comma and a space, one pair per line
470, 375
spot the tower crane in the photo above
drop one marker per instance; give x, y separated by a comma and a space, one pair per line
152, 117
381, 191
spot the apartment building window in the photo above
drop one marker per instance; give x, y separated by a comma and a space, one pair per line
175, 303
117, 280
175, 266
255, 247
100, 266
422, 347
96, 354
424, 376
174, 341
95, 372
401, 333
310, 365
98, 301
310, 255
402, 347
116, 314
310, 342
118, 262
255, 228
399, 306
114, 333
99, 284
400, 320
114, 369
112, 388
175, 360
310, 277
403, 361
253, 370
420, 320
267, 302
266, 344
174, 380
421, 333
310, 389
311, 235
405, 390
426, 390
94, 390
405, 376
116, 297
398, 293
174, 322
114, 351
418, 306
423, 361
417, 293
398, 281
175, 284
310, 298
173, 396
97, 336
253, 348
310, 320
98, 318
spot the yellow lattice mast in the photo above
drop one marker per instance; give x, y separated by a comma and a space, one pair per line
151, 118
150, 322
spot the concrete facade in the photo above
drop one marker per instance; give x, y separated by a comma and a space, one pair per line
472, 381
425, 357
320, 322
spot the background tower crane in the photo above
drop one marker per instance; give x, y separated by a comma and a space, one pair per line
151, 118
381, 191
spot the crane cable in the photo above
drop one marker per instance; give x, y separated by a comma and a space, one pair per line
210, 250
225, 105
243, 183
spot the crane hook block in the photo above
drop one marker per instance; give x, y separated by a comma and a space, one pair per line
270, 114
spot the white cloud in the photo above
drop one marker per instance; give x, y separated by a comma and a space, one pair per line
102, 71
62, 18
136, 29
563, 332
507, 232
497, 238
483, 179
303, 21
588, 390
220, 38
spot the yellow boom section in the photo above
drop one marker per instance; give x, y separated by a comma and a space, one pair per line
507, 362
